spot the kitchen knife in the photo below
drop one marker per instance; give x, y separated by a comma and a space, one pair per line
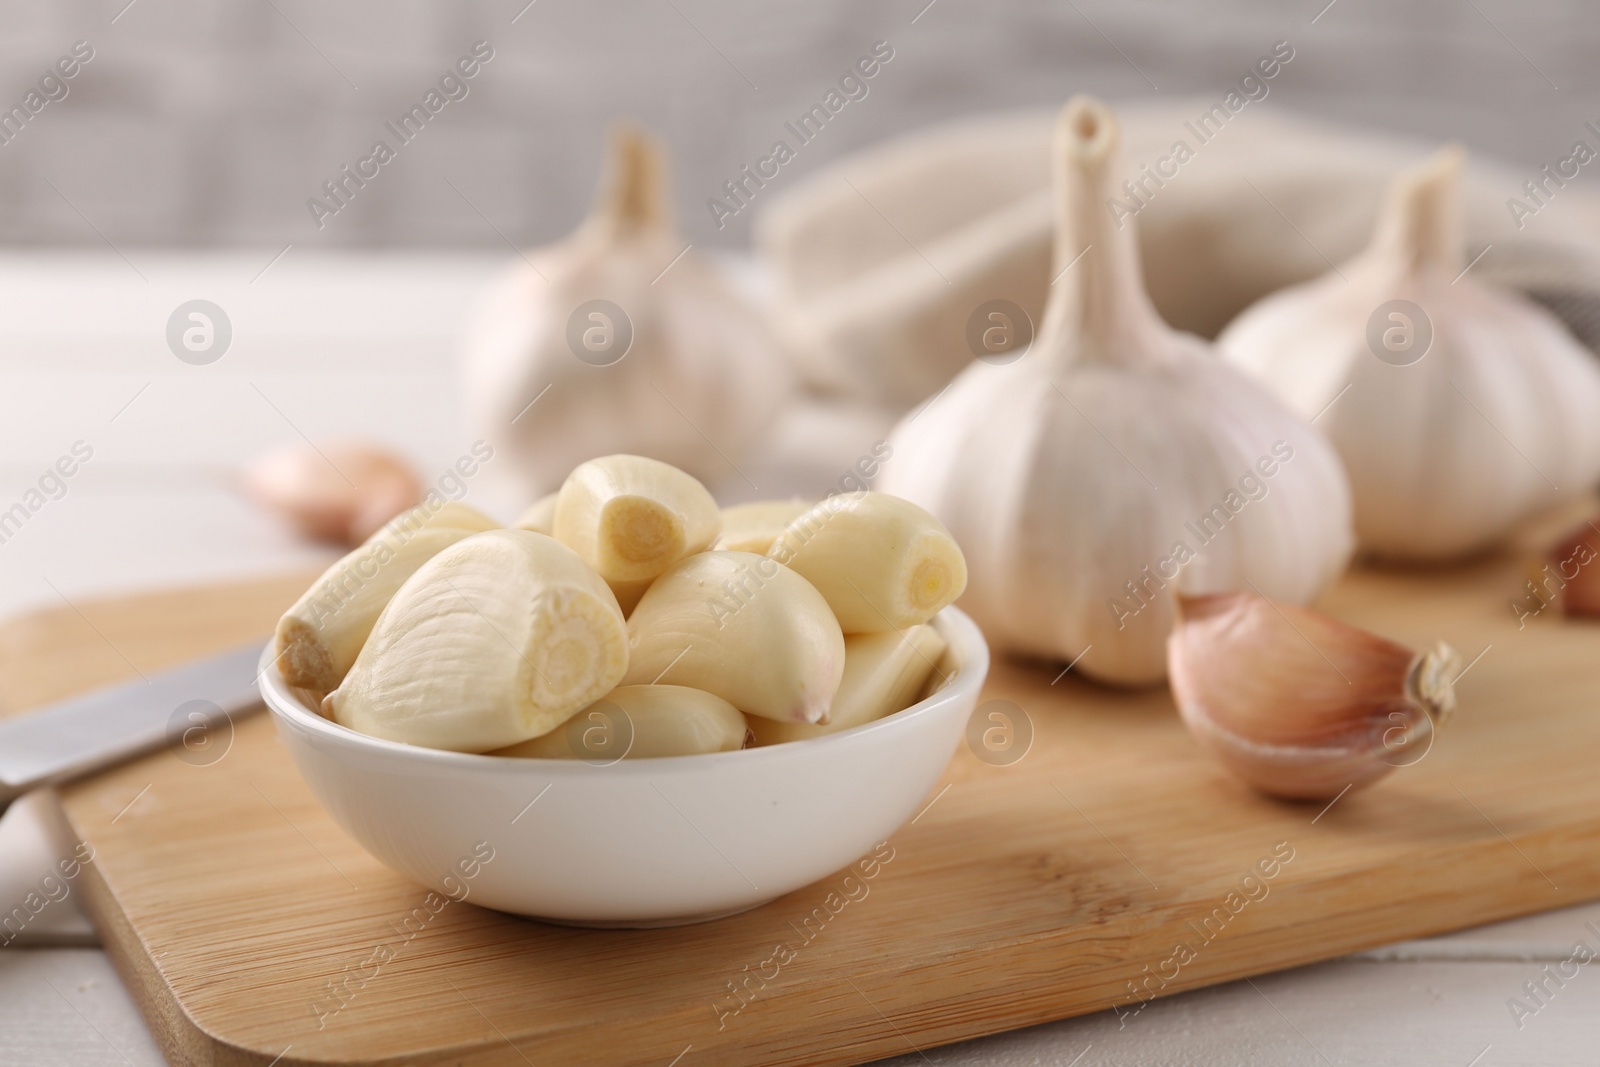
193, 705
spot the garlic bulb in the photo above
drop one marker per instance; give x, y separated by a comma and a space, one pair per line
641, 344
1117, 461
1459, 408
339, 493
1298, 704
497, 639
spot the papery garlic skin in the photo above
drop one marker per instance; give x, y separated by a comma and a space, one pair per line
743, 627
1299, 705
883, 673
1077, 478
318, 638
1448, 450
699, 382
497, 639
657, 721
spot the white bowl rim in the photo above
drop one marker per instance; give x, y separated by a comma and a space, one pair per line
971, 671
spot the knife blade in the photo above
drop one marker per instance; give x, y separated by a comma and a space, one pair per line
189, 704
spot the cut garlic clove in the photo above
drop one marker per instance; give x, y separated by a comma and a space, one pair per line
630, 518
318, 639
883, 673
497, 639
753, 527
881, 562
641, 722
1299, 705
339, 493
540, 517
743, 627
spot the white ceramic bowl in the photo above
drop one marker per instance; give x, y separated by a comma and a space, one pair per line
637, 842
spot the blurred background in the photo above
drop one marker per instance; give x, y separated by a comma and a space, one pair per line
179, 159
209, 124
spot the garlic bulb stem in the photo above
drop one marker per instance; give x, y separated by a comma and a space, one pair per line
1420, 225
1098, 292
635, 194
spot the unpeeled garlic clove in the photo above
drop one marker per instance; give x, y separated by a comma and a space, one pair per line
340, 493
883, 673
1299, 705
743, 627
882, 563
499, 638
1570, 573
318, 638
630, 518
753, 527
641, 722
540, 516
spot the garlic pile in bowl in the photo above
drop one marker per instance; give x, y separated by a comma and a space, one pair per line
755, 722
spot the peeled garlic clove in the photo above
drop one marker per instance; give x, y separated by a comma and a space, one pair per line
540, 516
641, 722
1117, 461
1299, 705
883, 673
753, 527
882, 563
630, 518
643, 346
497, 639
318, 639
340, 493
743, 627
1458, 407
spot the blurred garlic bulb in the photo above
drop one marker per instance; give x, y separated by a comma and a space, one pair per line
1458, 407
642, 346
1300, 705
339, 493
1116, 462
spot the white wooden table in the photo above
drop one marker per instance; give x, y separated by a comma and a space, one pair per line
361, 346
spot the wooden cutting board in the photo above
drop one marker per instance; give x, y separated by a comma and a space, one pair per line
234, 908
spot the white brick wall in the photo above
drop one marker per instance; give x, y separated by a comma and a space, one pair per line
212, 121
